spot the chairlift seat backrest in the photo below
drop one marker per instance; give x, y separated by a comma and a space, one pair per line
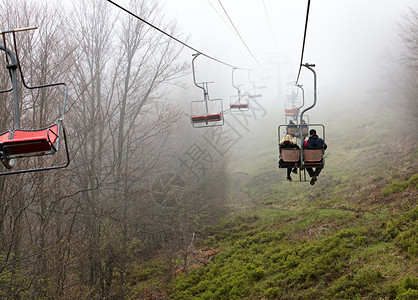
255, 96
239, 105
291, 111
313, 157
290, 155
292, 130
207, 118
4, 136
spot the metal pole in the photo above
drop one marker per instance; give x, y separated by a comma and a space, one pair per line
194, 76
205, 93
303, 96
252, 83
239, 92
205, 96
309, 66
13, 67
15, 98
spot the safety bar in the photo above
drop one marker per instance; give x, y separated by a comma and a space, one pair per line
19, 29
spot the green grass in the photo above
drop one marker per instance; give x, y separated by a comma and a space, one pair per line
397, 186
283, 261
351, 236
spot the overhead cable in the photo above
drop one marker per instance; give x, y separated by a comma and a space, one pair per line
242, 40
213, 7
271, 27
304, 38
174, 38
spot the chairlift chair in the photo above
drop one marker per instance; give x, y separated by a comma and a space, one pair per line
291, 108
294, 129
302, 158
207, 119
262, 85
255, 95
238, 102
20, 143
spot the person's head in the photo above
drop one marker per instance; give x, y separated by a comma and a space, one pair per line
288, 138
303, 122
312, 132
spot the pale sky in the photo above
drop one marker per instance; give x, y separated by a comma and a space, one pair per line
346, 39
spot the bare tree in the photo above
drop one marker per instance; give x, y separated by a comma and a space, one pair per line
73, 233
28, 202
409, 60
121, 126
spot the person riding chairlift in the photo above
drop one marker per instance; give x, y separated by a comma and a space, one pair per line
289, 143
314, 142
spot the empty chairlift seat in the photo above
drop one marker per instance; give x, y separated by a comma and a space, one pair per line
239, 106
291, 112
255, 96
30, 142
207, 118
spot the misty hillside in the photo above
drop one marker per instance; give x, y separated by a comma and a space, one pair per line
351, 235
139, 149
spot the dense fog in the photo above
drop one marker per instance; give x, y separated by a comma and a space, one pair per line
142, 180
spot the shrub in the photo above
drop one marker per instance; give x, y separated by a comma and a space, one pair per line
397, 186
408, 241
355, 285
407, 288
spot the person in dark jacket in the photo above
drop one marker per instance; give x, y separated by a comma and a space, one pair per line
314, 142
289, 143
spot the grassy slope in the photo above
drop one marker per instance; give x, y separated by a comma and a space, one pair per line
352, 235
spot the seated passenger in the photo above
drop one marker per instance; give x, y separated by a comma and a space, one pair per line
314, 142
288, 143
291, 124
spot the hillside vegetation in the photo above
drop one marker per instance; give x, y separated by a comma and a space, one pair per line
352, 235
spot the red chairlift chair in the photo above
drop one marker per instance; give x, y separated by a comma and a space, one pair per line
237, 103
206, 119
18, 143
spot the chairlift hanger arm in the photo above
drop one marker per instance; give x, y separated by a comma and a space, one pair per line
195, 55
303, 96
20, 67
233, 84
249, 79
310, 67
13, 76
15, 59
9, 54
15, 62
